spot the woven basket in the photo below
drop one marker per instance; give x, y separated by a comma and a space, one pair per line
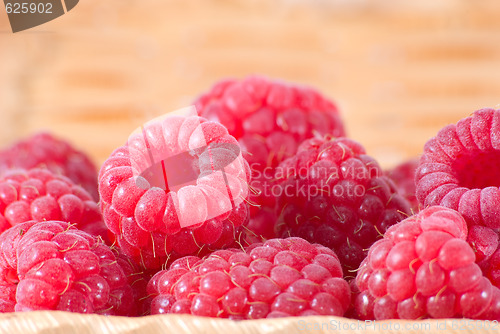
399, 73
67, 323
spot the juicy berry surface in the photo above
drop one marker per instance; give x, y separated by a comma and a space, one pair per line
138, 279
403, 176
278, 278
489, 245
53, 266
334, 194
484, 241
46, 151
177, 188
39, 194
460, 169
424, 268
270, 119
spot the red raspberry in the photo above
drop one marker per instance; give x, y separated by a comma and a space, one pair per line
334, 194
424, 268
138, 280
403, 176
488, 245
39, 194
44, 150
278, 278
270, 119
178, 188
53, 266
460, 169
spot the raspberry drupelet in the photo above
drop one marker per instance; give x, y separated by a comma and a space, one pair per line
278, 278
53, 266
46, 151
39, 194
424, 268
178, 187
269, 118
334, 194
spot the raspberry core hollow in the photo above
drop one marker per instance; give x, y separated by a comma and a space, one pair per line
178, 187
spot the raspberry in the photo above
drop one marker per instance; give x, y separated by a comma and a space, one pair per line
424, 268
403, 176
53, 266
270, 119
38, 194
178, 188
138, 280
44, 150
334, 194
278, 278
484, 241
488, 244
460, 169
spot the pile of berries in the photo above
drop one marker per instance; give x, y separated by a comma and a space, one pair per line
255, 206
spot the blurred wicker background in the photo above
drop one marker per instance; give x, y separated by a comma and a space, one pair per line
398, 70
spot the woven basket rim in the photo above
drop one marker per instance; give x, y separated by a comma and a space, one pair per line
67, 322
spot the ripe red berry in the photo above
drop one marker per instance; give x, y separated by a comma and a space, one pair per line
281, 277
460, 169
39, 194
53, 266
270, 119
177, 188
484, 241
46, 151
334, 194
424, 268
138, 279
